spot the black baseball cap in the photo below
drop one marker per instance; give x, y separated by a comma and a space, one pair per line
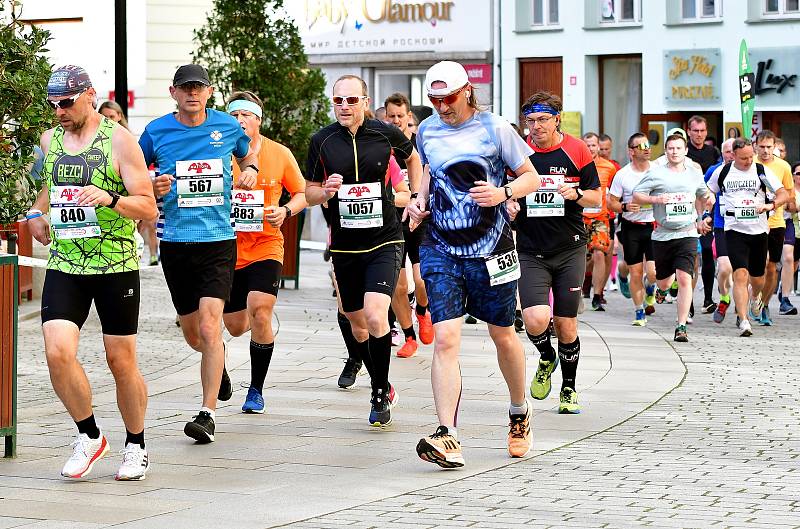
191, 73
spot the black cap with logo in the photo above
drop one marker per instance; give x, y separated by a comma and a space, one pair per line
191, 73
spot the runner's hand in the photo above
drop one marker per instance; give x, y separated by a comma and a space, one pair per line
275, 215
332, 184
247, 179
417, 211
512, 207
40, 230
568, 192
763, 208
704, 226
162, 184
93, 196
633, 208
486, 195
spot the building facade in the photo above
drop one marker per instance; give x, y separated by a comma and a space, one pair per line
628, 65
391, 43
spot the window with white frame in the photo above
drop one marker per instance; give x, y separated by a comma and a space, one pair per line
701, 9
544, 13
782, 7
620, 11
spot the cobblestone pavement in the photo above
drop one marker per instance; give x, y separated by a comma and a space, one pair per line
717, 449
721, 450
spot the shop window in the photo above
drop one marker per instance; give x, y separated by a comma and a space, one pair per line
620, 11
701, 9
781, 7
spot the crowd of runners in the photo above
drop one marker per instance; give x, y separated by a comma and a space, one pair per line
511, 230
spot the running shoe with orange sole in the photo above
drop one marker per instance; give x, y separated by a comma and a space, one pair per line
409, 348
425, 328
441, 448
519, 434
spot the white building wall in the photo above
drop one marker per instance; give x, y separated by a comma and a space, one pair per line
651, 39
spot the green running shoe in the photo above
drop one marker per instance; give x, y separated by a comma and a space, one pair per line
540, 385
569, 401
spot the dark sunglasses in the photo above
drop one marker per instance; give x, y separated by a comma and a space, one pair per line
448, 99
65, 103
350, 100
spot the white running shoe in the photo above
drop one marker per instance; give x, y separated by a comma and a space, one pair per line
135, 463
745, 328
86, 453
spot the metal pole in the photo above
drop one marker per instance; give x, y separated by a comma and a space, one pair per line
121, 55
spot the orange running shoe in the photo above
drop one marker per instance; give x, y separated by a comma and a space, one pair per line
425, 328
519, 434
409, 348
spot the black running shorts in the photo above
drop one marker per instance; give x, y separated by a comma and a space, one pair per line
362, 272
775, 244
116, 298
563, 272
636, 242
259, 276
720, 242
677, 254
195, 270
747, 251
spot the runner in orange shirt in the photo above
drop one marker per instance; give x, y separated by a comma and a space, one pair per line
596, 221
257, 220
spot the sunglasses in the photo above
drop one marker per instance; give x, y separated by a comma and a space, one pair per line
642, 146
65, 103
448, 99
350, 100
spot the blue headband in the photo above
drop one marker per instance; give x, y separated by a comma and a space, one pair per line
244, 104
538, 107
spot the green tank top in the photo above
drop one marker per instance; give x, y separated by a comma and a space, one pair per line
87, 240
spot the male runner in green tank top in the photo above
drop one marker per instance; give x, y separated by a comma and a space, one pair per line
95, 184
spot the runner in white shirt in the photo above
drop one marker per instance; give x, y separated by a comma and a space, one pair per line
745, 189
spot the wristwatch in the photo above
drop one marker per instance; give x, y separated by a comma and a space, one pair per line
509, 192
625, 206
579, 193
288, 211
114, 199
253, 167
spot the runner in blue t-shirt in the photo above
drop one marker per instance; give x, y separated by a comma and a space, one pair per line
724, 269
192, 149
467, 259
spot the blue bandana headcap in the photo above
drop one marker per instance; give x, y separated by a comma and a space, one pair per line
539, 107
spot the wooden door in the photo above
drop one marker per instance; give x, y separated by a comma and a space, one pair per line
539, 74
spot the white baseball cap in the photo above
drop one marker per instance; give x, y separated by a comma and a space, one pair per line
452, 74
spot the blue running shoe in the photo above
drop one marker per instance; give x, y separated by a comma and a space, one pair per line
766, 320
625, 288
640, 318
254, 403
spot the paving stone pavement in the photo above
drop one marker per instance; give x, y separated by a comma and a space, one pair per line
717, 449
720, 450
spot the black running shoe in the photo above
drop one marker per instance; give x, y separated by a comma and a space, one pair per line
349, 373
382, 402
201, 429
225, 386
709, 307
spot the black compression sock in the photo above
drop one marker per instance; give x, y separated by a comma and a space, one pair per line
361, 351
569, 353
421, 309
409, 333
347, 335
89, 427
392, 318
543, 345
380, 351
135, 438
260, 357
